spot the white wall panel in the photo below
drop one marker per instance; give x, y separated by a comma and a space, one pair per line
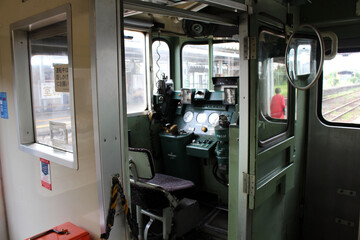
30, 207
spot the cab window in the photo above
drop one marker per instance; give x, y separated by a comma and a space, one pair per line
196, 59
341, 89
135, 67
195, 66
226, 59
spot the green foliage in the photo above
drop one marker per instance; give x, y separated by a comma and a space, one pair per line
354, 80
284, 89
330, 76
280, 79
335, 82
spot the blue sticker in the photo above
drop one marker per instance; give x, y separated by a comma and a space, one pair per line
45, 168
3, 105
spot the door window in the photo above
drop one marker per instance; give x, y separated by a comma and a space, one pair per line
273, 86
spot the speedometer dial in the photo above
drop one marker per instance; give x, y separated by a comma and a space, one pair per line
201, 117
214, 118
188, 116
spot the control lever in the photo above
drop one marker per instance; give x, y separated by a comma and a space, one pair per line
172, 129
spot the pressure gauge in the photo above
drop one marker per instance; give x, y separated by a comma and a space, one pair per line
188, 116
213, 118
201, 117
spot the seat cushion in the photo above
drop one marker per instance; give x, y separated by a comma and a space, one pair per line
151, 198
169, 183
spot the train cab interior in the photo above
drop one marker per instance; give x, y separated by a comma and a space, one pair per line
176, 119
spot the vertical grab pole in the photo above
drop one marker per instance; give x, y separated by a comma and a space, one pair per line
109, 105
242, 221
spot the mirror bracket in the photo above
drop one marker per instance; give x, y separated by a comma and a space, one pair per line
334, 44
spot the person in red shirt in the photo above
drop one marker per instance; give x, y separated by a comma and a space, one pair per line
277, 106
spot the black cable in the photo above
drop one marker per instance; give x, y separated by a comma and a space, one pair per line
220, 180
117, 190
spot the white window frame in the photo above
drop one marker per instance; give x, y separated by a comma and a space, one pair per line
22, 85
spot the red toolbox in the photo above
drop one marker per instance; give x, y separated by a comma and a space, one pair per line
66, 231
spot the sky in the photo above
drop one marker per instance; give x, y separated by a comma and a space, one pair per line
342, 62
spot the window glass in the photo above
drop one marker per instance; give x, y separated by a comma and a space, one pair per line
135, 71
341, 88
195, 66
226, 59
274, 89
278, 89
50, 91
161, 59
273, 86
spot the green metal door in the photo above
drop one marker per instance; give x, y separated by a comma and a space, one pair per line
272, 119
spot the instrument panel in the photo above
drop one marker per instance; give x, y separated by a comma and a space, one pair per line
202, 121
212, 118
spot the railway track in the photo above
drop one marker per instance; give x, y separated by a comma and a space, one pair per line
326, 99
340, 111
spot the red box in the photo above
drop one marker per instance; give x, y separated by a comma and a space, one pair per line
74, 233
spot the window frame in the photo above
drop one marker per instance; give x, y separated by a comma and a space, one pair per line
22, 85
320, 85
148, 60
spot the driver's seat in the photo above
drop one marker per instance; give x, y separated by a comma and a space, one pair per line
151, 192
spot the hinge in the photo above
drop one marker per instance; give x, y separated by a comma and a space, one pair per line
249, 184
250, 48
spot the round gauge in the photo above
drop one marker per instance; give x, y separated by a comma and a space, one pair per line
214, 118
188, 116
201, 117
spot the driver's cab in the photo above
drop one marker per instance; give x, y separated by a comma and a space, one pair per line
213, 145
194, 106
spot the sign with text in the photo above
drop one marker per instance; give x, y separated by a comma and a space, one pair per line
3, 105
61, 77
45, 175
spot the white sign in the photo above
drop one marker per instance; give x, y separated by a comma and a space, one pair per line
61, 77
58, 134
45, 175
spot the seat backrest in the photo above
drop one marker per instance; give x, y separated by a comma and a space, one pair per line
141, 163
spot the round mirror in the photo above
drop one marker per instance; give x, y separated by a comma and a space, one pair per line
304, 57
